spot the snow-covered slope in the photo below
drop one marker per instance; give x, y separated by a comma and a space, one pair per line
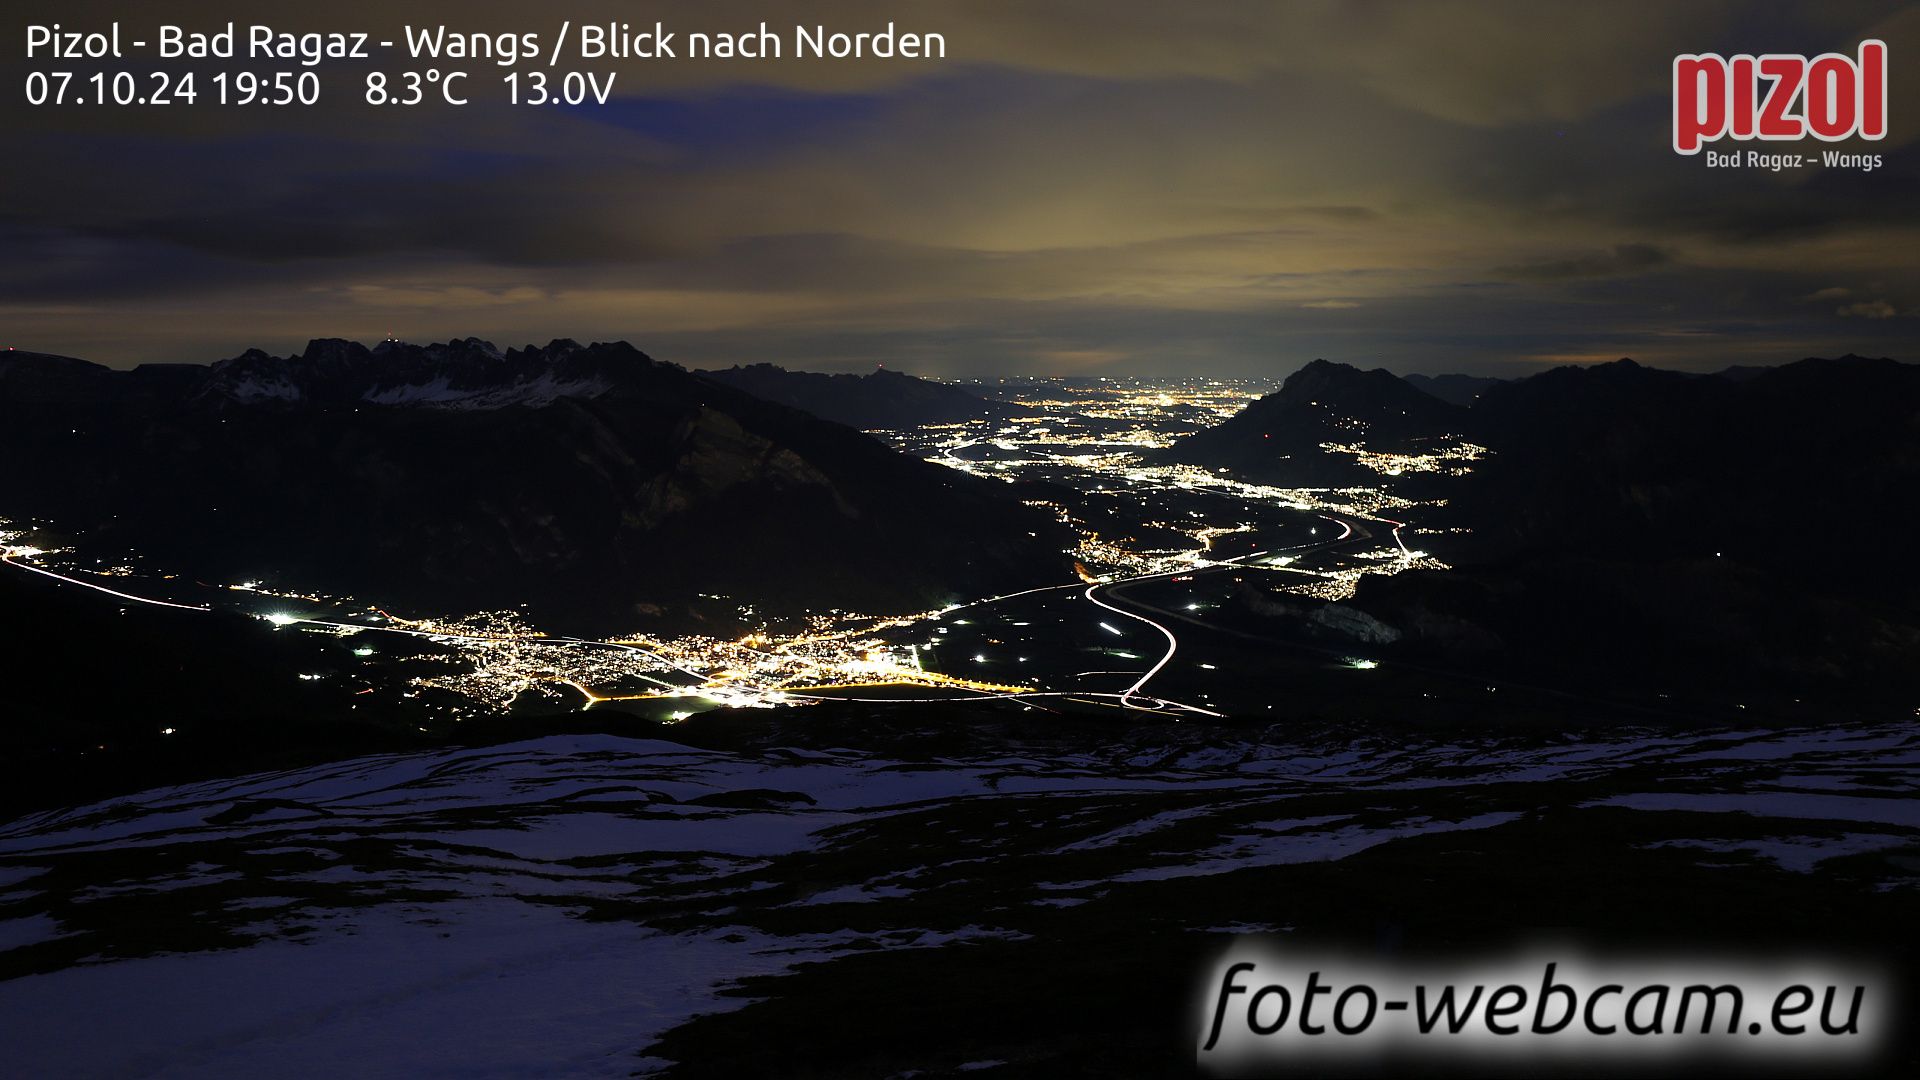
466, 373
552, 907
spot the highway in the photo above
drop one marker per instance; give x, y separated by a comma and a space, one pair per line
1108, 596
1173, 643
1349, 533
13, 557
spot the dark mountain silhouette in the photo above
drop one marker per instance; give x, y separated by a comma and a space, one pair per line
880, 399
590, 483
1775, 467
1737, 534
1280, 437
1623, 459
1453, 388
1731, 531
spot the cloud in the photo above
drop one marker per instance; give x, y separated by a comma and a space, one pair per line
1117, 182
1870, 309
1622, 259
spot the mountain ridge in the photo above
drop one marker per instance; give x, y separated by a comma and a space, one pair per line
597, 485
1279, 437
879, 399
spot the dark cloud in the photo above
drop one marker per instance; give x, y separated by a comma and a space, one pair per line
1870, 309
1116, 185
1623, 259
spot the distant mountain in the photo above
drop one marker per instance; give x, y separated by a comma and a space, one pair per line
1279, 438
880, 399
590, 483
1456, 389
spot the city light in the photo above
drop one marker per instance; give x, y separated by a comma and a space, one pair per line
1096, 437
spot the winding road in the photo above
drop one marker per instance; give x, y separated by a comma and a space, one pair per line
1106, 595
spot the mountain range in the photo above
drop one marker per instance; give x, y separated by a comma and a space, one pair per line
1281, 437
589, 484
1726, 532
879, 399
1454, 388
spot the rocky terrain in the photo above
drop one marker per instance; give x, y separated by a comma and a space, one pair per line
590, 484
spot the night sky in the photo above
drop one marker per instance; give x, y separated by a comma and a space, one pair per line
1091, 188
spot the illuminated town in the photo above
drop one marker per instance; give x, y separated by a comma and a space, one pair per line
1168, 526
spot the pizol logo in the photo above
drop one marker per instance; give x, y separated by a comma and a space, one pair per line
1779, 96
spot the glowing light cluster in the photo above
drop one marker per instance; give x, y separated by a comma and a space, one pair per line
1452, 459
1132, 517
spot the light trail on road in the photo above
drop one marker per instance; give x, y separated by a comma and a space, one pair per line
729, 689
1158, 704
13, 559
1173, 643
